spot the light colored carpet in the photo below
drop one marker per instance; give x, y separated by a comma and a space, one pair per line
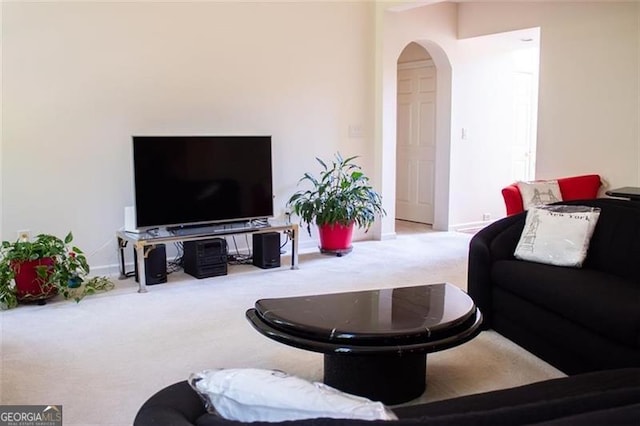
102, 358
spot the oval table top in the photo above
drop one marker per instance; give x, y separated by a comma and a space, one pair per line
422, 319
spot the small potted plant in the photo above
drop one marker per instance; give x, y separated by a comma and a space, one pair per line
39, 269
340, 198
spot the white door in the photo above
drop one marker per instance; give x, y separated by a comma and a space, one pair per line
523, 147
415, 141
525, 84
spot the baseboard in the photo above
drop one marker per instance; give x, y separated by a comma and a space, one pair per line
313, 244
308, 245
470, 226
109, 270
388, 236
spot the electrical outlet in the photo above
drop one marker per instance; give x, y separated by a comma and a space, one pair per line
24, 235
486, 216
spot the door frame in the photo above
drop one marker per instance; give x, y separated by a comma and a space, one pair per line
442, 130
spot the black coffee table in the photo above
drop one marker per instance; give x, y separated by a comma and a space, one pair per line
375, 343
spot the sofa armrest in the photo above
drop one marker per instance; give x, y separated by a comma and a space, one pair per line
494, 242
583, 187
579, 397
512, 199
176, 405
546, 401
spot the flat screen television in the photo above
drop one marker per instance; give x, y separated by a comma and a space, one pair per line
183, 181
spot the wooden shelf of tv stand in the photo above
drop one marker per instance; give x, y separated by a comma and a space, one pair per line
146, 239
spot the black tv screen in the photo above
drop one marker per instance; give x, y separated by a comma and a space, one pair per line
192, 180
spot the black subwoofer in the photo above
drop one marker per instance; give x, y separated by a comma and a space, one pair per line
266, 250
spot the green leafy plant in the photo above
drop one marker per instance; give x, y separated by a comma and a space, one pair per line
340, 194
66, 275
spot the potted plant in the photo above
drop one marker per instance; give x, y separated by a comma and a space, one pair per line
39, 269
340, 198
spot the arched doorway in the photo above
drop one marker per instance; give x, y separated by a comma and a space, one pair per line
441, 128
415, 135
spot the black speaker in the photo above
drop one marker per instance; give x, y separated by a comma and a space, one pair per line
266, 250
155, 264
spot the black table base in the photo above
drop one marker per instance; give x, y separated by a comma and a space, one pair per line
391, 379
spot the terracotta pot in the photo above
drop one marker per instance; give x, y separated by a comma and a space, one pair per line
336, 238
29, 286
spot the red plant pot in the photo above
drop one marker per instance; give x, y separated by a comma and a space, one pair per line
29, 286
335, 237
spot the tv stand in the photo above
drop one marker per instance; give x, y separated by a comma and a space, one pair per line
146, 239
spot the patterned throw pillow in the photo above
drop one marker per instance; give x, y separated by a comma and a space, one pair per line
539, 193
557, 235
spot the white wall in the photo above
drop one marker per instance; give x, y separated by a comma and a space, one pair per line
434, 28
484, 100
1, 126
80, 78
588, 99
588, 104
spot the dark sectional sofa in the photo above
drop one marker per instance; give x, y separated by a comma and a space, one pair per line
577, 319
609, 397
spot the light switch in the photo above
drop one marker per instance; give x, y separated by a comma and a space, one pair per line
355, 130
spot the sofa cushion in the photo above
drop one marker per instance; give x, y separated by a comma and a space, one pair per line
602, 302
615, 243
567, 345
